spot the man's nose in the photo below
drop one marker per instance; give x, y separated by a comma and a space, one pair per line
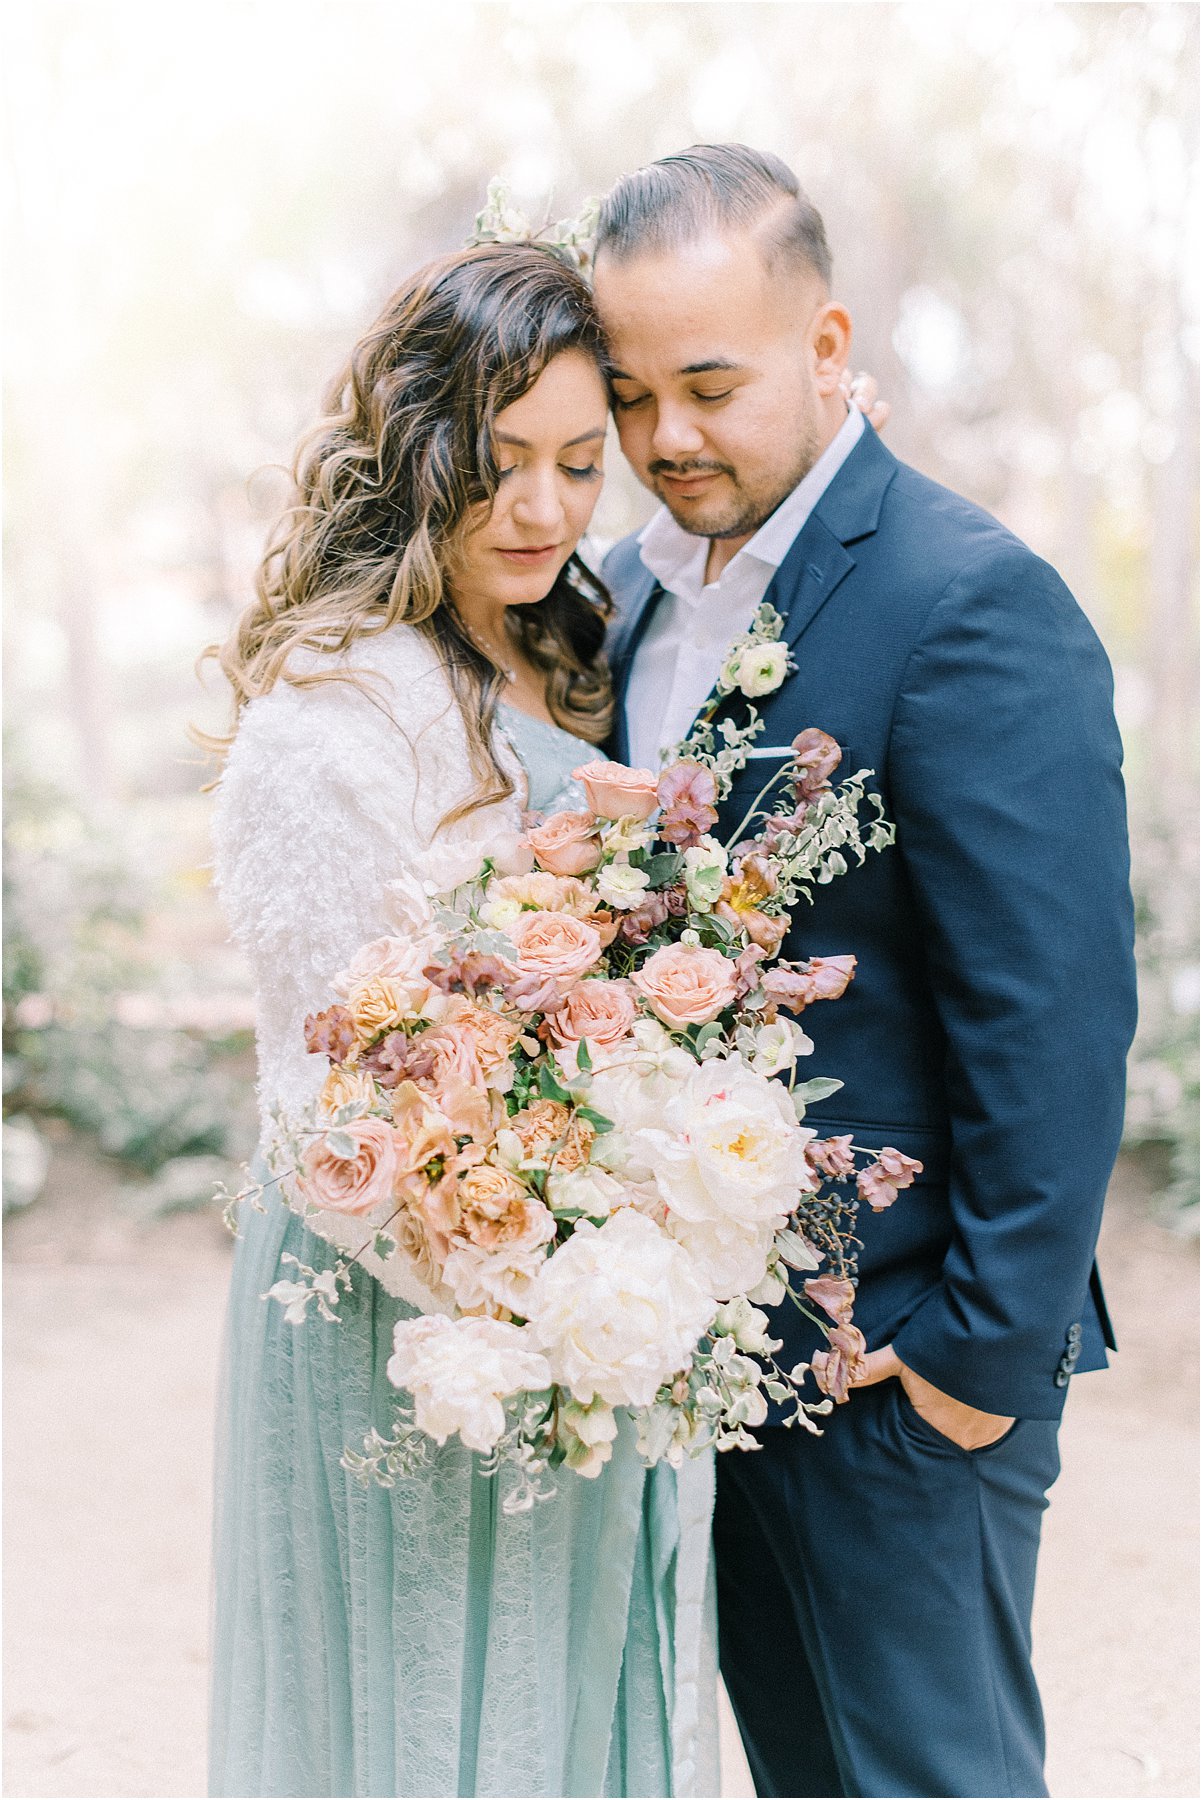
677, 434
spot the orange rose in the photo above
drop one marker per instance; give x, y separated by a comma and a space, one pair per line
496, 1208
555, 946
686, 985
490, 1036
566, 844
616, 792
344, 1086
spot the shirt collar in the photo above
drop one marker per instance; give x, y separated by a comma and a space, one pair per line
677, 558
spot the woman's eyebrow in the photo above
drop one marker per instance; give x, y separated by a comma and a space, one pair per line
586, 437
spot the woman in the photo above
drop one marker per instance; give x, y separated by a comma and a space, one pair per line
422, 662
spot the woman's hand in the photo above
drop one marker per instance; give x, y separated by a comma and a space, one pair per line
860, 390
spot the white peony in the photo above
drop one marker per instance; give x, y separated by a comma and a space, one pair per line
618, 1310
635, 1080
499, 1278
460, 1370
728, 1147
729, 1256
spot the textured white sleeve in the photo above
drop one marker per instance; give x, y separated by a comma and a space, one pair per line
329, 794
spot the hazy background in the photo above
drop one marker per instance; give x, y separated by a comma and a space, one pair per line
205, 206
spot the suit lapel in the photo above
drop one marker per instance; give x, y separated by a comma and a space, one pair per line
641, 612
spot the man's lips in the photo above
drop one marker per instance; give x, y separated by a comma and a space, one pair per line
529, 559
685, 486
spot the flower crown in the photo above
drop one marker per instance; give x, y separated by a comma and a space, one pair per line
572, 240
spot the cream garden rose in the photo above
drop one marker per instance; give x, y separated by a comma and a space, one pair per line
757, 669
618, 1310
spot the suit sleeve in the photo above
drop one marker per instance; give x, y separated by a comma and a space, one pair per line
1006, 785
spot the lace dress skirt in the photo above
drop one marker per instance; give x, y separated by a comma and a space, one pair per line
419, 1640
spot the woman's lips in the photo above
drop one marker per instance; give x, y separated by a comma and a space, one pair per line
530, 559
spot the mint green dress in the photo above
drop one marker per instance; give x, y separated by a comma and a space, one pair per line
419, 1641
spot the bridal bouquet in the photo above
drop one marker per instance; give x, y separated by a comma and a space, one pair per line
562, 1117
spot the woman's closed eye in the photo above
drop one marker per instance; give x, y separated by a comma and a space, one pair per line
590, 472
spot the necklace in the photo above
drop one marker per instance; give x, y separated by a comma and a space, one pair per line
490, 651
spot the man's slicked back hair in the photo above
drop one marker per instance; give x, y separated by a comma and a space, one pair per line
715, 187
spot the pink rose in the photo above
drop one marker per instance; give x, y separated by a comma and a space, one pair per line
686, 985
566, 844
600, 1012
554, 945
881, 1182
831, 1156
398, 960
616, 792
357, 1184
687, 793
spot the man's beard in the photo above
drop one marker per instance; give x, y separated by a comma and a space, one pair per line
741, 512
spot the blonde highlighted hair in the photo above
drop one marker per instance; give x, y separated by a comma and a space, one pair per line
398, 469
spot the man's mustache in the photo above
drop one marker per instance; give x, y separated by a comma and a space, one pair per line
659, 467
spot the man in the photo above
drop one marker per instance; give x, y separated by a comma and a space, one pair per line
875, 1585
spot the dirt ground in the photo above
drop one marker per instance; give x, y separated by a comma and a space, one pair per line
111, 1335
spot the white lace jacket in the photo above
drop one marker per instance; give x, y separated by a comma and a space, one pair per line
329, 794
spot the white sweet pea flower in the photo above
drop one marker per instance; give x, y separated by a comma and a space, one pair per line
778, 1046
704, 871
459, 1372
589, 1189
747, 1325
588, 1433
620, 885
618, 1310
625, 835
759, 668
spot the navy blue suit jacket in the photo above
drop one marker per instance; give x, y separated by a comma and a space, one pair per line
987, 1028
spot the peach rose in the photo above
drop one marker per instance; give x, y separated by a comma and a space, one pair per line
600, 1011
686, 985
496, 1208
360, 1183
566, 844
490, 1037
555, 946
551, 1133
380, 1004
345, 1086
616, 792
397, 959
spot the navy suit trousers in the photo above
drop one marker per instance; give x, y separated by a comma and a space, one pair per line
874, 1601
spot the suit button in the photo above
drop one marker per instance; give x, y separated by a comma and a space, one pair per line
1061, 1378
1073, 1351
1074, 1334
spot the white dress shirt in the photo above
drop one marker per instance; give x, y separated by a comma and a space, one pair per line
695, 623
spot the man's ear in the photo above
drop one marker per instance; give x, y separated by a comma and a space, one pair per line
830, 340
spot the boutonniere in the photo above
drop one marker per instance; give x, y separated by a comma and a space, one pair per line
755, 665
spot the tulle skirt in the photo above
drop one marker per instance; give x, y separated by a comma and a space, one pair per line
418, 1640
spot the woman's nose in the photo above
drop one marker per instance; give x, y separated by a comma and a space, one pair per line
537, 504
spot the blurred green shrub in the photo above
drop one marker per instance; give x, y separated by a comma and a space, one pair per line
81, 956
1162, 1076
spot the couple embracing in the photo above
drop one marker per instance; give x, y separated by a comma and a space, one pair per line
429, 656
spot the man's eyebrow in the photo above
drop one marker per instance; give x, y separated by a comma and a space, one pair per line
586, 437
705, 368
698, 368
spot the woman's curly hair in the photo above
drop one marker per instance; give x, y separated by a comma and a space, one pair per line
399, 469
